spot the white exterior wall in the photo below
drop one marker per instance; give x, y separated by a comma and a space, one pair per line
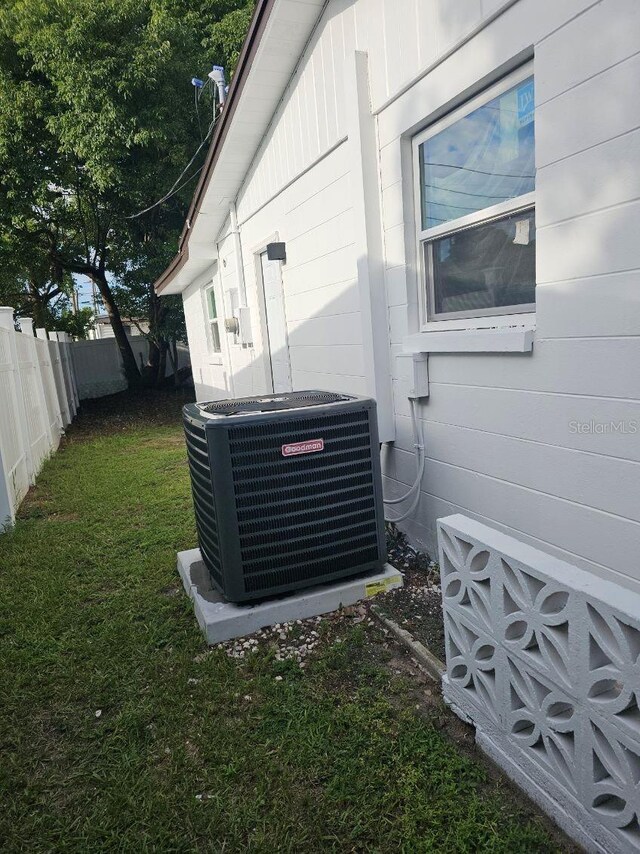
314, 217
498, 427
209, 375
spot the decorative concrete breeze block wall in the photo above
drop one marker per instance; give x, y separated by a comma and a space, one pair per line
544, 659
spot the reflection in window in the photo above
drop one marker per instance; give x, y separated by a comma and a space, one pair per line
213, 320
486, 267
476, 221
484, 158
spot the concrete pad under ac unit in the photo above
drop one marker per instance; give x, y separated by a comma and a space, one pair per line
221, 620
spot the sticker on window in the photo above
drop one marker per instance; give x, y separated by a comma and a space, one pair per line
525, 103
522, 232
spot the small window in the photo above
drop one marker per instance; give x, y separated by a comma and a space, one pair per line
475, 206
212, 315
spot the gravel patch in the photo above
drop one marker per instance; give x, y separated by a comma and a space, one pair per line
298, 640
416, 607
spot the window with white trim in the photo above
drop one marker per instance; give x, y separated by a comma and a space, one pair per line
214, 321
475, 177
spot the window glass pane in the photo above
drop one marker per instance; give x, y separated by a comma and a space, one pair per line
481, 160
485, 267
211, 304
215, 337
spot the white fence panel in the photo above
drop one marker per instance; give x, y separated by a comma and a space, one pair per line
15, 467
67, 372
98, 366
54, 415
37, 399
35, 405
58, 373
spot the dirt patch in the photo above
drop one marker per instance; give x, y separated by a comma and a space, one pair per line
417, 606
142, 409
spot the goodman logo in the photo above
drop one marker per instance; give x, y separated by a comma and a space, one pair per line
311, 446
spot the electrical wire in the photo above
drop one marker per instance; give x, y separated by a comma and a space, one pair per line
196, 98
184, 184
414, 489
175, 188
198, 92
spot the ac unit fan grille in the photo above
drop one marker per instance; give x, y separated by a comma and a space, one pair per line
272, 403
307, 517
202, 491
255, 583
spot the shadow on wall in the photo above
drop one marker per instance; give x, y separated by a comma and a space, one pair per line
325, 351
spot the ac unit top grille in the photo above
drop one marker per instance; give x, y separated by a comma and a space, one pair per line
272, 402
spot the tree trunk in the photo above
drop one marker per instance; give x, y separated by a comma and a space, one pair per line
162, 364
129, 363
173, 356
150, 370
39, 312
38, 305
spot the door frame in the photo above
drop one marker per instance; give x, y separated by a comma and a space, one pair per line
258, 250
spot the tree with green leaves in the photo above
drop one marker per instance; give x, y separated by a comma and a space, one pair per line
97, 122
28, 280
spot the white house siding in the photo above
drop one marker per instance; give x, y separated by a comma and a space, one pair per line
313, 216
500, 429
500, 445
209, 374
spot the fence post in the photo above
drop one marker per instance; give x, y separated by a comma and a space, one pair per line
7, 513
22, 429
26, 325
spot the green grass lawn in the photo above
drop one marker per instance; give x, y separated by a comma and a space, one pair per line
119, 731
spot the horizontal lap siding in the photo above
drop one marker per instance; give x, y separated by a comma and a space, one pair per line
299, 189
299, 184
538, 466
313, 217
310, 119
545, 445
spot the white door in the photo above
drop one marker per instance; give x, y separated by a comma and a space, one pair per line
276, 324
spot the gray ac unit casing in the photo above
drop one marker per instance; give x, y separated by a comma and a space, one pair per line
286, 490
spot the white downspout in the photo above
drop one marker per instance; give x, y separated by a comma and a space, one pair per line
244, 317
237, 247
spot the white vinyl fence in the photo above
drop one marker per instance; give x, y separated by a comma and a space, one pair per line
98, 366
38, 399
42, 380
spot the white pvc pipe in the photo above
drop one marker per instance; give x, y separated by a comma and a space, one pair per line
414, 489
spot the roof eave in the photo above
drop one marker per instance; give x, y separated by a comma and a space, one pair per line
251, 43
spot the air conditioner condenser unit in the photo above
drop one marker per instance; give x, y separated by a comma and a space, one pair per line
286, 489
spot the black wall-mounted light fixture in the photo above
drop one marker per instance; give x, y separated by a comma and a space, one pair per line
276, 252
